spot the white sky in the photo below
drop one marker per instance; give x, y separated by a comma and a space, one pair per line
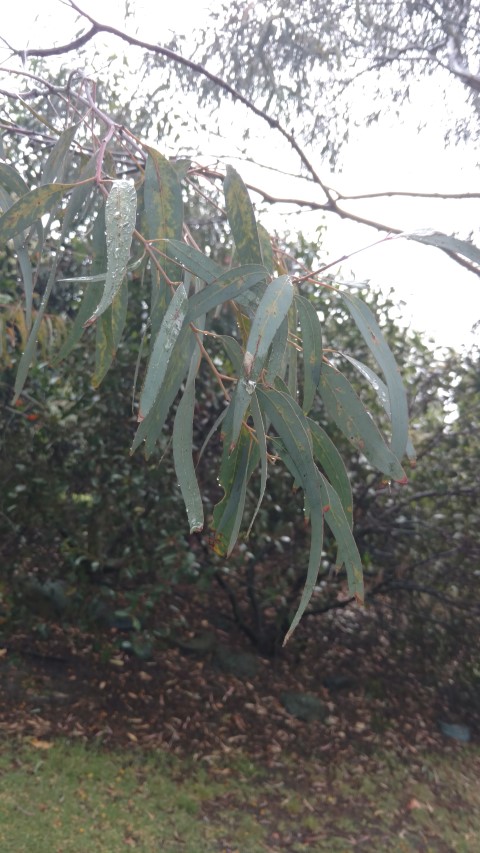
441, 298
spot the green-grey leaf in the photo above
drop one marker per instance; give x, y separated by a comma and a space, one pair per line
444, 241
351, 416
291, 425
12, 181
31, 346
241, 219
276, 358
332, 463
266, 249
30, 207
151, 427
270, 314
195, 261
162, 194
94, 291
162, 349
312, 349
79, 195
182, 450
229, 285
120, 212
241, 400
163, 198
27, 278
109, 333
262, 449
382, 393
234, 352
340, 527
54, 168
234, 475
373, 337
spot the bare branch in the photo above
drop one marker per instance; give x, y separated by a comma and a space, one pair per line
188, 63
407, 194
332, 198
61, 49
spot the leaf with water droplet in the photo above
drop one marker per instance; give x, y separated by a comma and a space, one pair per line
120, 213
162, 350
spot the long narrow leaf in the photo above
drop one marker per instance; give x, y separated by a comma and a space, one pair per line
229, 285
162, 350
92, 294
30, 349
262, 449
271, 312
445, 241
162, 194
266, 249
30, 207
150, 428
234, 475
182, 449
382, 393
54, 168
351, 416
373, 337
241, 219
120, 212
340, 527
312, 350
276, 358
109, 333
193, 260
289, 422
12, 181
332, 463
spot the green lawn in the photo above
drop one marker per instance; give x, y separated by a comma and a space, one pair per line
72, 799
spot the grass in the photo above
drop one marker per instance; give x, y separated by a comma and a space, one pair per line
72, 798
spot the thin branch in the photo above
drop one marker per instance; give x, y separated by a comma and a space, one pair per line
406, 193
332, 197
64, 48
97, 28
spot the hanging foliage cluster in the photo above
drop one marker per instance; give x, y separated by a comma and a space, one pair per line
270, 372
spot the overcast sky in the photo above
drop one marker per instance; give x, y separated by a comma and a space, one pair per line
440, 297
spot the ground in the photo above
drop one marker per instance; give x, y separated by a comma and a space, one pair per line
377, 701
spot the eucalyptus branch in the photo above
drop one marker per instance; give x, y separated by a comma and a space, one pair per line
407, 194
332, 197
177, 58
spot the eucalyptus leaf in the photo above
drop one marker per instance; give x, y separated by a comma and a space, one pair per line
54, 168
120, 213
375, 340
351, 416
182, 449
289, 422
162, 350
29, 208
228, 286
241, 218
270, 314
312, 349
